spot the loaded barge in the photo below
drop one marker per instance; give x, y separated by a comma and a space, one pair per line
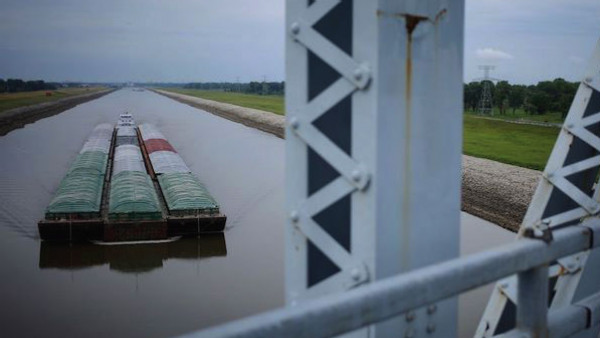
129, 184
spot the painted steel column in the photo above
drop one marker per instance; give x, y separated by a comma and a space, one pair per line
419, 134
532, 291
373, 147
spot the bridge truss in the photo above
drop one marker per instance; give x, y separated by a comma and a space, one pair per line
373, 166
567, 194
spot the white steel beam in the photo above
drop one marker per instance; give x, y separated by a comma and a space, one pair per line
374, 126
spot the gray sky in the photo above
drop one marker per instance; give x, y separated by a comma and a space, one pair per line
220, 40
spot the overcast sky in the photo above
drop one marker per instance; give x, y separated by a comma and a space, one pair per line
221, 40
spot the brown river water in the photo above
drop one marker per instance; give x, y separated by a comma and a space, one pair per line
159, 289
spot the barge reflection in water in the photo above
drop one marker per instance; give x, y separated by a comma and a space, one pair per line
129, 258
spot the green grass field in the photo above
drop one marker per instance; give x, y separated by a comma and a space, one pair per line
271, 103
15, 100
523, 145
519, 144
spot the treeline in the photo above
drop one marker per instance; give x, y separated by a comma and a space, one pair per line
544, 97
254, 87
18, 85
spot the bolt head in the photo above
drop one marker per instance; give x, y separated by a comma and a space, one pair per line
295, 28
355, 273
294, 216
358, 74
430, 328
409, 333
294, 123
589, 79
504, 285
431, 309
410, 316
356, 175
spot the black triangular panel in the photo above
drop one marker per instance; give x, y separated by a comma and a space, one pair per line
579, 151
594, 105
336, 26
320, 173
584, 180
335, 220
336, 124
320, 267
594, 128
508, 319
320, 75
558, 203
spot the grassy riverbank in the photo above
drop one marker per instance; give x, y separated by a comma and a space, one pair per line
518, 144
22, 99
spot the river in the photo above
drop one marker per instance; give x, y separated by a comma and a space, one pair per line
166, 289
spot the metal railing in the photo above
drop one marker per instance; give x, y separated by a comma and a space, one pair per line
529, 258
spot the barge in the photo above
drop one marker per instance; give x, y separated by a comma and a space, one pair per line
129, 184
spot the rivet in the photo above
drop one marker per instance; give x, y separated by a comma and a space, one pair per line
358, 74
431, 309
355, 273
589, 79
409, 333
294, 217
504, 285
294, 123
570, 126
410, 316
550, 175
430, 328
295, 28
356, 175
570, 266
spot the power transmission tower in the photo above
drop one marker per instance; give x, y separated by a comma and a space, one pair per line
485, 106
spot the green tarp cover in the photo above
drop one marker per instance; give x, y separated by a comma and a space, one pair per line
93, 162
78, 192
183, 191
132, 197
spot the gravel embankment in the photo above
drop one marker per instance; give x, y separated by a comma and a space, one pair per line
494, 191
262, 120
497, 192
